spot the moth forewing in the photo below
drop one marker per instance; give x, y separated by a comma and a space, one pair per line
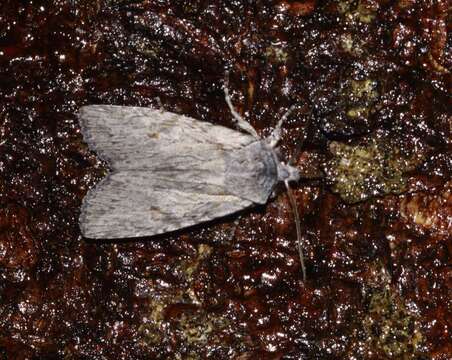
180, 176
135, 138
170, 171
134, 204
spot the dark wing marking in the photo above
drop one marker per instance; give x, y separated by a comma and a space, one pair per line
137, 203
143, 138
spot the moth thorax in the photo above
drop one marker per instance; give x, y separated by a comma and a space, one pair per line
288, 173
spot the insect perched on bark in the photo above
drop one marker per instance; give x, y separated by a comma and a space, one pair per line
169, 171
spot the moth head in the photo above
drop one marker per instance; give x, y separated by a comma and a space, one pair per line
287, 173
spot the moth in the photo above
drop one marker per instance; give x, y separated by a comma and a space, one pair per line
170, 171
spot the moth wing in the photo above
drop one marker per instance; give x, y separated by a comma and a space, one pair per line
137, 203
251, 172
143, 138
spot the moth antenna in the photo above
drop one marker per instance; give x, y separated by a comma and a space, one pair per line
275, 136
241, 122
293, 203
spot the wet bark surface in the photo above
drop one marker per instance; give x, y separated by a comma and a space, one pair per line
371, 134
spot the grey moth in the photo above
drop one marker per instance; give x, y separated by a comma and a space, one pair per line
170, 171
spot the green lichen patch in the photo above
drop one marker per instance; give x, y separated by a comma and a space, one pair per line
357, 11
193, 328
374, 168
189, 268
353, 105
352, 44
180, 324
155, 324
276, 53
201, 329
391, 329
366, 88
362, 94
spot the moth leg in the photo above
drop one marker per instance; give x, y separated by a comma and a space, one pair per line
241, 122
275, 136
160, 104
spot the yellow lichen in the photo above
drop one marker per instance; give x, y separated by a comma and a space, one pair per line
276, 53
366, 88
377, 167
359, 11
390, 327
193, 325
352, 44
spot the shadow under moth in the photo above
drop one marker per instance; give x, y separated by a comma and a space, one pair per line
169, 171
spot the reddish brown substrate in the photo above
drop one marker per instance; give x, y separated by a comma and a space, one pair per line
379, 271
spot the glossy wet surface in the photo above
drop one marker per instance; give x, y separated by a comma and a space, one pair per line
374, 128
